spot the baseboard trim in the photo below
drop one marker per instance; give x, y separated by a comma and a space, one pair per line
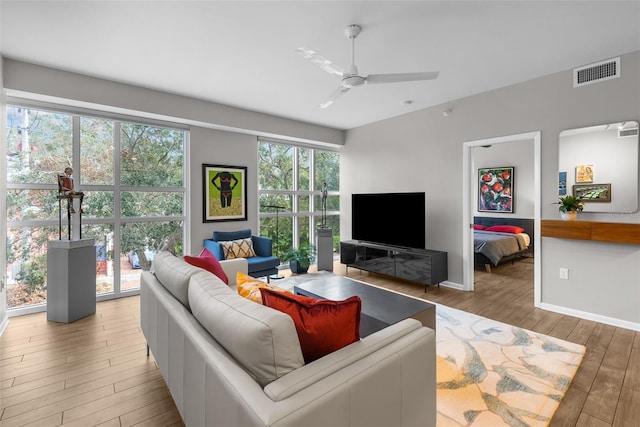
452, 285
591, 316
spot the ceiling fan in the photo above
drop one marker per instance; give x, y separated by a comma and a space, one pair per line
350, 78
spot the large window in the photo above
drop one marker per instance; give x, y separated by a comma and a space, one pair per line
132, 177
290, 182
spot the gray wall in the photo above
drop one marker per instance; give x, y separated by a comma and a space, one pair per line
422, 151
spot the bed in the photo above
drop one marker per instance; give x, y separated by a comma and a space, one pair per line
497, 247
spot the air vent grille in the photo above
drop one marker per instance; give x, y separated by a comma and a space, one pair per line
594, 73
623, 133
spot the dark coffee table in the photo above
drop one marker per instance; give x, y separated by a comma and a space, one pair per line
380, 308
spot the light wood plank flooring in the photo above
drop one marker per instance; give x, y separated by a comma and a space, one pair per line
95, 371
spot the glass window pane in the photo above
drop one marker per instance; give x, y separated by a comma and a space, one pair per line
38, 145
282, 238
96, 151
275, 164
140, 242
304, 231
27, 265
268, 203
23, 205
103, 236
98, 204
304, 166
151, 203
327, 169
303, 203
151, 156
333, 203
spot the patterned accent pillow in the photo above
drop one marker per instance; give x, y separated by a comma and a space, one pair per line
249, 287
242, 248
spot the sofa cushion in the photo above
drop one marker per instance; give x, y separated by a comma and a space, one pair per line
262, 340
209, 262
174, 274
242, 248
323, 326
219, 236
249, 287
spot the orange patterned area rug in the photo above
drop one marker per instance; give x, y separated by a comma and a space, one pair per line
493, 374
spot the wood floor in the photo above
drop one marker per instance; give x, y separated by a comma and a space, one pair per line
95, 372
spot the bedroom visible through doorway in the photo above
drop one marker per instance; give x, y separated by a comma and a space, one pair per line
522, 153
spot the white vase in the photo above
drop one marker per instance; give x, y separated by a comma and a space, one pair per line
569, 215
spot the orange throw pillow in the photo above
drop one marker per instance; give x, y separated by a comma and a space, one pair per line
249, 287
209, 262
323, 326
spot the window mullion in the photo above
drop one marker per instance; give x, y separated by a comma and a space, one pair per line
117, 226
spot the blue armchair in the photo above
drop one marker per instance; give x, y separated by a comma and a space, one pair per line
263, 264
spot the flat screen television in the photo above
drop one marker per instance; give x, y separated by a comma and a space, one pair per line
396, 219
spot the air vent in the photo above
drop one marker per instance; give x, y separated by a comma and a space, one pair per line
624, 133
598, 72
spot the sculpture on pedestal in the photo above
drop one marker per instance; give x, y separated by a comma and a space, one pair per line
67, 191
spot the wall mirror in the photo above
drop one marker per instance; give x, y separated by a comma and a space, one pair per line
599, 164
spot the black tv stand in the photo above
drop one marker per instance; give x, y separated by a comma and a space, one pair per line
424, 266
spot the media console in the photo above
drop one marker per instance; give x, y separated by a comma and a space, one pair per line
424, 266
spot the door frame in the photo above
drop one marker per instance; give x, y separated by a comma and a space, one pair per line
468, 182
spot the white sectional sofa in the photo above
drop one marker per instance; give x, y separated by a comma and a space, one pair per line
228, 361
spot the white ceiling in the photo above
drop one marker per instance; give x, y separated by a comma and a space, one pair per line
241, 53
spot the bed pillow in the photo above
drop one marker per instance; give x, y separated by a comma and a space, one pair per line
323, 326
479, 227
513, 229
209, 262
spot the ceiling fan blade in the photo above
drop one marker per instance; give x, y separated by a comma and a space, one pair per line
335, 95
401, 77
320, 61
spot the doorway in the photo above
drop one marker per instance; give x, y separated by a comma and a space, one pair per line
468, 183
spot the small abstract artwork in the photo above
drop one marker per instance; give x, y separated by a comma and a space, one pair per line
584, 173
562, 184
593, 192
224, 193
495, 189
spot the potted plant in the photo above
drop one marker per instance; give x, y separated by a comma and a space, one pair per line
569, 207
300, 258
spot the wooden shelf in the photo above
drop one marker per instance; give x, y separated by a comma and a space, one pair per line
613, 232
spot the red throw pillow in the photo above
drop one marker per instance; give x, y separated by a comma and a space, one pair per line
479, 227
209, 262
514, 229
323, 326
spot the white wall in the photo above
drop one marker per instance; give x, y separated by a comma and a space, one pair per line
422, 151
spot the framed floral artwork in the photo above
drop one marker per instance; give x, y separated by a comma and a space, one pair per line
495, 189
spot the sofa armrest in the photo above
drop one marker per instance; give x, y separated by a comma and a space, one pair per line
234, 266
215, 248
328, 365
263, 246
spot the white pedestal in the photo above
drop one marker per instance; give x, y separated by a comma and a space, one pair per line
71, 279
324, 249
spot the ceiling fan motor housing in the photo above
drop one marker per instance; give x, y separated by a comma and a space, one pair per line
353, 81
